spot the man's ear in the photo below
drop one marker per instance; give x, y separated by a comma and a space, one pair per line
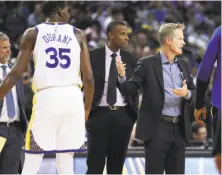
167, 40
60, 12
110, 35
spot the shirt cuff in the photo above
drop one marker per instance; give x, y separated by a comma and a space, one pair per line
121, 79
188, 95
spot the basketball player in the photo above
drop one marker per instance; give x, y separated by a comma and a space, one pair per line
57, 123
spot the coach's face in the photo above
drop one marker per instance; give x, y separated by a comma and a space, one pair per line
119, 35
177, 42
5, 51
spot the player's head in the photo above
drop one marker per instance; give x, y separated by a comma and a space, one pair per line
56, 9
117, 32
5, 48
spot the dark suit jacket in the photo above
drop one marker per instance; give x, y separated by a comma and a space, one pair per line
148, 75
97, 57
21, 104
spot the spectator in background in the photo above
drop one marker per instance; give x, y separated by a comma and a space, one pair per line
15, 24
35, 17
3, 14
116, 14
199, 137
199, 132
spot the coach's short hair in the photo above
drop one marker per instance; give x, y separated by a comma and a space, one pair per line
50, 8
167, 30
3, 36
113, 24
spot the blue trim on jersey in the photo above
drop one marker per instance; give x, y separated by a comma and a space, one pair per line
36, 29
53, 23
74, 31
55, 151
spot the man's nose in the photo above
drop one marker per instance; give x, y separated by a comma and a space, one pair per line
184, 43
9, 51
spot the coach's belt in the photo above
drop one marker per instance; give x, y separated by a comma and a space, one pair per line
170, 119
112, 108
15, 123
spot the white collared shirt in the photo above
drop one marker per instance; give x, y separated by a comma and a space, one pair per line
4, 113
119, 97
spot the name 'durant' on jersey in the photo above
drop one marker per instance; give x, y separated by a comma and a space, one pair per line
57, 38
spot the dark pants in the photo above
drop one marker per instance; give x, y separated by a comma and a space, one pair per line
165, 150
11, 152
108, 137
21, 163
216, 131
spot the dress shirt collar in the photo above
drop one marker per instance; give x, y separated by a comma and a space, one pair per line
165, 60
110, 52
4, 64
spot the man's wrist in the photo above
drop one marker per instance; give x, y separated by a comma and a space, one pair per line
121, 76
121, 79
188, 96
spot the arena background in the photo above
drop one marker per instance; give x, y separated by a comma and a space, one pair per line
144, 18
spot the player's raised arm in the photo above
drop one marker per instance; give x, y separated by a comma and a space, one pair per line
25, 51
88, 80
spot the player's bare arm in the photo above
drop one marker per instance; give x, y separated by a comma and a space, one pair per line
86, 69
25, 51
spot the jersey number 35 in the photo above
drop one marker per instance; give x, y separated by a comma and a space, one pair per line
58, 57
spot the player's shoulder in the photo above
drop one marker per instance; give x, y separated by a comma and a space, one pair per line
31, 32
218, 30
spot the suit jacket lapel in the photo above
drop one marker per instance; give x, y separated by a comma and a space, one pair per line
182, 68
124, 60
102, 60
159, 70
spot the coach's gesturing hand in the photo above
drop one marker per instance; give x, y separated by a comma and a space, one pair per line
182, 92
121, 67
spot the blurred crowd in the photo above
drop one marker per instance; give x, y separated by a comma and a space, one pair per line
143, 17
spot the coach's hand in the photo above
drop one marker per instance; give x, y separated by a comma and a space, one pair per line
87, 111
121, 67
182, 92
